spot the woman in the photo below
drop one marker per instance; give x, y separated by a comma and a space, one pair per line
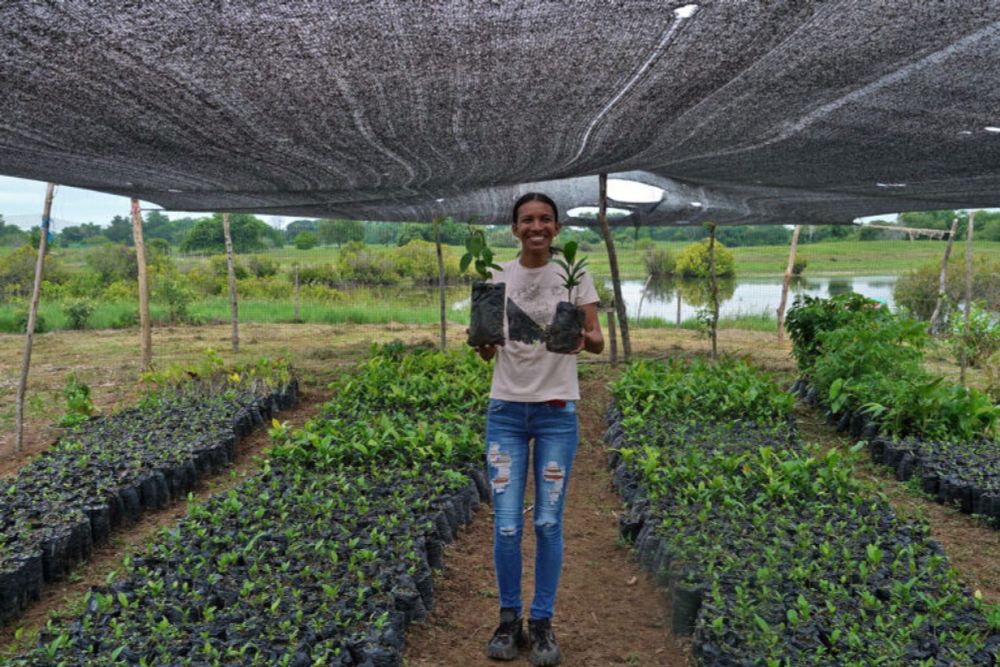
533, 396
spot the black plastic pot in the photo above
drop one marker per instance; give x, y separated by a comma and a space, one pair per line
685, 604
563, 335
486, 318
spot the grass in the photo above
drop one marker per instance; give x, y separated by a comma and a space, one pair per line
845, 258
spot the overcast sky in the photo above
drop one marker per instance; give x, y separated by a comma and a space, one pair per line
21, 203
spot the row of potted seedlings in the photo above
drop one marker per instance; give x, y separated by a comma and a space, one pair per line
852, 355
323, 557
773, 554
107, 470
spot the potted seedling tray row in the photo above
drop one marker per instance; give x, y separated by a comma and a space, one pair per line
769, 550
106, 471
324, 556
963, 474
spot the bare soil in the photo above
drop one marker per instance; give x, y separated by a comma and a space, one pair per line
608, 611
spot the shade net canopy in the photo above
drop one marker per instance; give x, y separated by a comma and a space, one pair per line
741, 112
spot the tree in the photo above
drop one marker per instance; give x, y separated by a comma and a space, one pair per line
248, 232
340, 231
113, 261
296, 227
692, 262
120, 230
381, 233
10, 234
412, 231
306, 240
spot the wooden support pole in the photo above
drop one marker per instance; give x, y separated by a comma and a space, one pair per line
934, 325
787, 281
29, 334
612, 338
441, 290
145, 326
715, 290
616, 283
234, 310
295, 271
678, 306
968, 296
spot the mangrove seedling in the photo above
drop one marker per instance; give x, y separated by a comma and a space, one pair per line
563, 335
486, 320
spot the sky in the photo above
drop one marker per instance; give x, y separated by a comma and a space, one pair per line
21, 204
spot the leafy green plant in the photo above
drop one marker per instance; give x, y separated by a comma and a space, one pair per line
572, 267
693, 261
478, 254
984, 335
78, 311
79, 406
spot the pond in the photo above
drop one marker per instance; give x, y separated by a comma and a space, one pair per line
745, 296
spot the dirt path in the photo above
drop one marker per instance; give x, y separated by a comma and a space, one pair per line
608, 611
64, 598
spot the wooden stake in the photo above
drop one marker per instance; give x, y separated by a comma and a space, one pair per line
968, 296
678, 305
933, 326
145, 326
715, 290
29, 335
295, 271
233, 307
612, 338
441, 295
787, 282
616, 283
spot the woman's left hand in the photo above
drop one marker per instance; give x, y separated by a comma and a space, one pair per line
589, 340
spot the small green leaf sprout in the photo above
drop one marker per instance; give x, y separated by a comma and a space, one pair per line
478, 254
573, 268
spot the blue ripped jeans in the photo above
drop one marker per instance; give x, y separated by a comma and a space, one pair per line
509, 427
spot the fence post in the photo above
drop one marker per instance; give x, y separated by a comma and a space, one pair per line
715, 290
29, 334
145, 326
616, 283
933, 327
233, 306
787, 281
968, 296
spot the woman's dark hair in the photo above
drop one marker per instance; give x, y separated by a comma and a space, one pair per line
535, 196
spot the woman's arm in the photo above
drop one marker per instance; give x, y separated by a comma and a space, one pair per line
591, 338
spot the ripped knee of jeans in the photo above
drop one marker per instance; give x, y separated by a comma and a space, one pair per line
554, 480
499, 468
547, 525
511, 532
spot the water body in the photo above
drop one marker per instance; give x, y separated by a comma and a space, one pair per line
745, 296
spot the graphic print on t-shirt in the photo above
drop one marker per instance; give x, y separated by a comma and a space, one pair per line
521, 327
529, 310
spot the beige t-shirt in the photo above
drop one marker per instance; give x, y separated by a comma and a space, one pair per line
525, 370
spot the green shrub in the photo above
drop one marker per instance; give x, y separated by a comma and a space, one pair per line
692, 262
916, 291
984, 335
79, 407
21, 322
359, 264
121, 291
262, 267
221, 269
78, 311
113, 261
17, 272
418, 260
810, 316
171, 291
799, 266
127, 319
659, 262
264, 288
306, 241
319, 274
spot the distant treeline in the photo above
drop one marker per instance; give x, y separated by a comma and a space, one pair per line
203, 235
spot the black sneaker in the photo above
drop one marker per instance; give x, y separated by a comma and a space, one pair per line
509, 637
544, 649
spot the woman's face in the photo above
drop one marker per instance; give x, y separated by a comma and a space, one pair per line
536, 226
